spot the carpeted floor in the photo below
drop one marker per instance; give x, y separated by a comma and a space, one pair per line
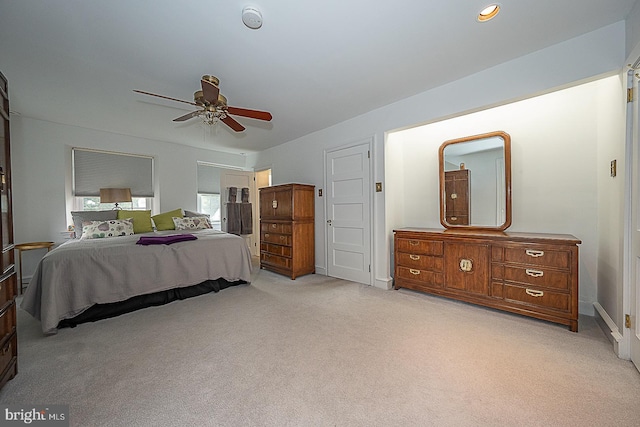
319, 351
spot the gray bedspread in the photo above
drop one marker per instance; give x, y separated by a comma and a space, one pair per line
80, 273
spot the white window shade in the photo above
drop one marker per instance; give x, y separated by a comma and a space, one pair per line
93, 170
208, 179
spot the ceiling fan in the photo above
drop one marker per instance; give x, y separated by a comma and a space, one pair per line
213, 106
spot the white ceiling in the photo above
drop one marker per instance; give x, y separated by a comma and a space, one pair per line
312, 64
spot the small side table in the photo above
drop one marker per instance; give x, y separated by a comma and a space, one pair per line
29, 247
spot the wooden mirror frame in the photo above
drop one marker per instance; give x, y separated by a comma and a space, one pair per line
507, 180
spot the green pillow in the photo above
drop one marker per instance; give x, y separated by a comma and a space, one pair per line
141, 220
164, 221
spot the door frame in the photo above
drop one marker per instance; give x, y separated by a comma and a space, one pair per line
369, 143
631, 195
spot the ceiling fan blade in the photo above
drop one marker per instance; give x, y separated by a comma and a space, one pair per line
186, 116
210, 91
254, 114
233, 124
165, 97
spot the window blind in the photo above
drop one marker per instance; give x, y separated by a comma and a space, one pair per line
208, 179
93, 170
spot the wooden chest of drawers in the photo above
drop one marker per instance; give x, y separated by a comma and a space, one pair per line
8, 282
8, 336
287, 244
526, 273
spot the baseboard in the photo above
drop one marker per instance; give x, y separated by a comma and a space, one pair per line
608, 326
385, 284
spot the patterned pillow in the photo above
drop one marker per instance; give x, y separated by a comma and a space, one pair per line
104, 229
81, 216
192, 223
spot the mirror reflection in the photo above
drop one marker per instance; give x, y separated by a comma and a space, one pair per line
475, 182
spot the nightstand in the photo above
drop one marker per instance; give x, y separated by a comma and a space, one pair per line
29, 247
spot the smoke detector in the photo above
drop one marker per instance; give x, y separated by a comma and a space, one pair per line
252, 17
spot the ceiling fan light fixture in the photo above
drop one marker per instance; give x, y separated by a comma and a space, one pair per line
212, 117
489, 12
251, 17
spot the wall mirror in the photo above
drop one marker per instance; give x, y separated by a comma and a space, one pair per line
475, 182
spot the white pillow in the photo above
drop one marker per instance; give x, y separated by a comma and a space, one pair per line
104, 229
192, 223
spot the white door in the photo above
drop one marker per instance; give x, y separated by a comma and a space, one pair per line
238, 179
634, 295
348, 213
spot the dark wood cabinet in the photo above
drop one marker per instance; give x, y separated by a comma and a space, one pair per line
8, 284
287, 243
456, 184
532, 274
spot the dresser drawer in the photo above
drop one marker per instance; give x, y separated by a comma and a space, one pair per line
278, 239
7, 353
427, 278
540, 298
419, 247
275, 260
537, 276
554, 257
457, 220
7, 320
275, 227
276, 249
7, 290
421, 262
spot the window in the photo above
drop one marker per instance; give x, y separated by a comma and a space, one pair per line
210, 204
209, 192
93, 169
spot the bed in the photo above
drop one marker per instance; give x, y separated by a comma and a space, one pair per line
90, 279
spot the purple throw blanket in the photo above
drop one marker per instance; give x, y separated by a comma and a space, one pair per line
165, 240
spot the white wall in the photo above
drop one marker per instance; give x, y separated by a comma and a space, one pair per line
41, 174
583, 58
556, 167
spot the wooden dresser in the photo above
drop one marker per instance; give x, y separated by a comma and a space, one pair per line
8, 283
287, 244
531, 274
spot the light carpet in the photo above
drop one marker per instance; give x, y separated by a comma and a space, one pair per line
318, 351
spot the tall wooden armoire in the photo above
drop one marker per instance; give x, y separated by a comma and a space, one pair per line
8, 284
287, 244
456, 185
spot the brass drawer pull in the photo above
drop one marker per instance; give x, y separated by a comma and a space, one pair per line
534, 293
414, 272
534, 273
282, 237
414, 257
414, 242
534, 253
454, 218
274, 226
266, 234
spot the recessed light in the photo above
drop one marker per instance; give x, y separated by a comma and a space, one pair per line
488, 12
